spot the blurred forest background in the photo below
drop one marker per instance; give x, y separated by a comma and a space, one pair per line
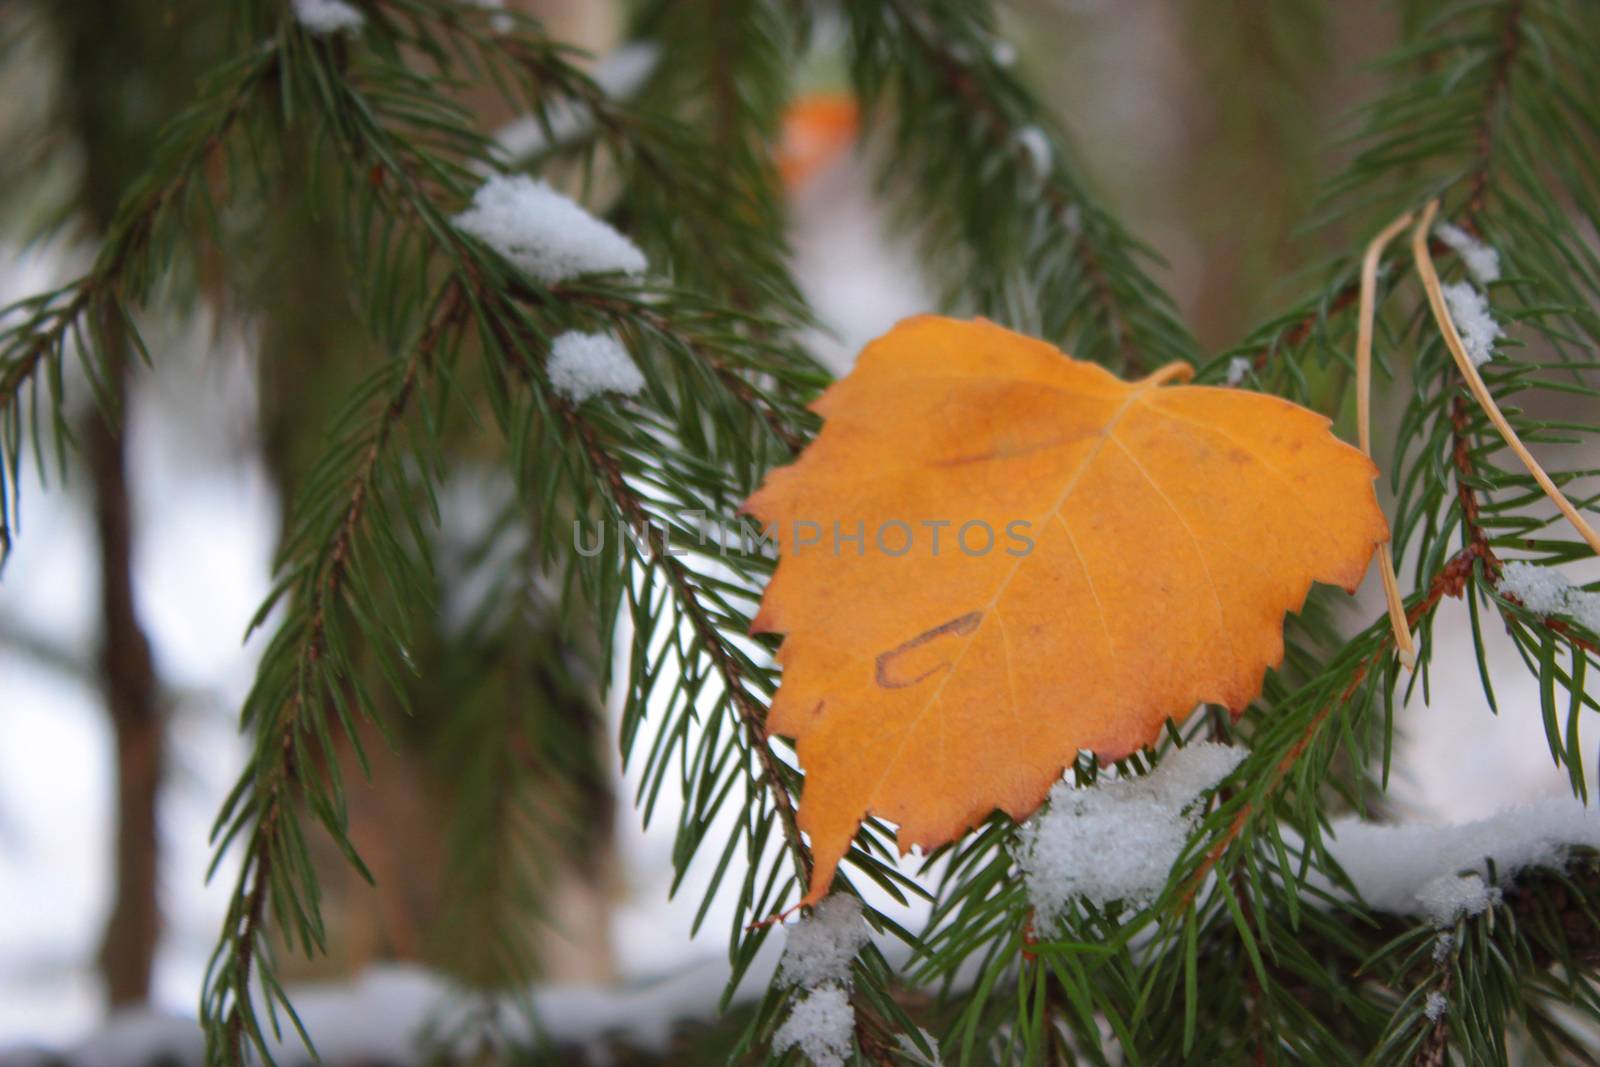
1206, 124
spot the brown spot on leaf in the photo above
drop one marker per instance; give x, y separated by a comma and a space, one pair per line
891, 672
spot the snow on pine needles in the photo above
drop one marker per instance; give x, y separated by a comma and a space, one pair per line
1469, 307
820, 1026
1469, 310
1546, 591
584, 364
1117, 840
1442, 872
323, 17
817, 954
544, 233
1481, 260
820, 948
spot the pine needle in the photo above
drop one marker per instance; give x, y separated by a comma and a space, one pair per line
1480, 392
1369, 285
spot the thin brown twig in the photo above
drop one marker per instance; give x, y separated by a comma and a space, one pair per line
1435, 1050
105, 278
275, 778
751, 716
1499, 83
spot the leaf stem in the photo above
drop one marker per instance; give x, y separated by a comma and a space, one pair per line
1177, 369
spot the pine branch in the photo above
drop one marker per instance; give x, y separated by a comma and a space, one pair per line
752, 715
424, 149
303, 668
139, 242
1065, 269
1287, 335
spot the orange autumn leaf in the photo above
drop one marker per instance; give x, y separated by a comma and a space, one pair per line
817, 129
1172, 526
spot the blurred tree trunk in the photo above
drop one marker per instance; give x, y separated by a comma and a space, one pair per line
132, 695
101, 54
313, 353
124, 72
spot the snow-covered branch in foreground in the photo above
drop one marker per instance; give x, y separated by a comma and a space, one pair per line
1117, 840
402, 1014
1443, 872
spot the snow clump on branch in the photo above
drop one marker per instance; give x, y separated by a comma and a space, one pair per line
817, 957
1481, 261
1546, 591
323, 17
1443, 872
1117, 840
585, 364
544, 233
1469, 310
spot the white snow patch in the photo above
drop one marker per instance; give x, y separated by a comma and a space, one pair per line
1481, 261
323, 17
1546, 591
1034, 141
1119, 839
1442, 946
1238, 369
1469, 310
1437, 1004
819, 948
1454, 896
545, 233
1442, 872
138, 1037
1585, 607
1542, 590
584, 364
382, 1016
821, 1026
1004, 53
